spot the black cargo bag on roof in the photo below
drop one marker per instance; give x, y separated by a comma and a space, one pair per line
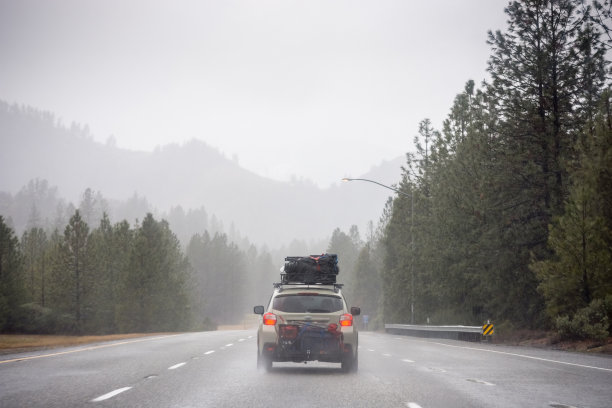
311, 269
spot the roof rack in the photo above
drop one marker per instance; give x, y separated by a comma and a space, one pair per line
336, 286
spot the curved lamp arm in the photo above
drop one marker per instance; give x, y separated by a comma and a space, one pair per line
345, 179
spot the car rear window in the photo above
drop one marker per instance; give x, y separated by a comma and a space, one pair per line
306, 303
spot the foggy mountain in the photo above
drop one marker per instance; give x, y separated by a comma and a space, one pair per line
193, 175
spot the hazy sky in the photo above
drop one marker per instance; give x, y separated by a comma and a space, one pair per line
316, 89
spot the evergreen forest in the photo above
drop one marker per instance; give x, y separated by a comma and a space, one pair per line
119, 278
505, 214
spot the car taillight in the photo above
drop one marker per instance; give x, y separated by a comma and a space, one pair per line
346, 320
269, 319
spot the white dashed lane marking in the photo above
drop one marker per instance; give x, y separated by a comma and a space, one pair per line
110, 394
477, 381
174, 367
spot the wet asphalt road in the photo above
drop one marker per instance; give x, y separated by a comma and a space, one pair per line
218, 369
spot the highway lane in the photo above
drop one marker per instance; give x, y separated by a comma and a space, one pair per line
485, 375
217, 369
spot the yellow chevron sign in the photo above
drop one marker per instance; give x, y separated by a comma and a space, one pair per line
487, 329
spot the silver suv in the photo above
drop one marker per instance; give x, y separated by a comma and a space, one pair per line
307, 322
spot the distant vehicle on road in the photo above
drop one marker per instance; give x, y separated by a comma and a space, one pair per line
307, 318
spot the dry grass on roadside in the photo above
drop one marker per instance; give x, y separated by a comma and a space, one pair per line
14, 342
21, 342
550, 339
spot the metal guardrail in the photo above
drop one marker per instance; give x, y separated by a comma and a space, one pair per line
465, 333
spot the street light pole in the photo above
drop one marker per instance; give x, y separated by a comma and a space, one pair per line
345, 179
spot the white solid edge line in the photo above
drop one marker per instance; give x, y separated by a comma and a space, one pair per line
110, 394
525, 356
138, 340
174, 367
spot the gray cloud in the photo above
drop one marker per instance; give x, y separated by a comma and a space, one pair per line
319, 89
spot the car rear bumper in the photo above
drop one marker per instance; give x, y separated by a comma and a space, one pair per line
311, 344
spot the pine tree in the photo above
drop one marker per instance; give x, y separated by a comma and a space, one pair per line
458, 232
581, 238
539, 80
106, 269
367, 286
347, 248
73, 274
546, 65
12, 292
153, 291
399, 267
220, 274
34, 244
122, 244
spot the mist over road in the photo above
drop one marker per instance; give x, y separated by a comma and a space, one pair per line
218, 369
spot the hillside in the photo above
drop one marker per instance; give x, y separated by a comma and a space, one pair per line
192, 175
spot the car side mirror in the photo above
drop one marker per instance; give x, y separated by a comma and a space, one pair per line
355, 311
258, 310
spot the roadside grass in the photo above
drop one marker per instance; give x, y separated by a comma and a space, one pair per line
10, 343
550, 339
15, 343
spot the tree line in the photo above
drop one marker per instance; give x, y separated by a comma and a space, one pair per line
506, 211
38, 203
121, 278
73, 270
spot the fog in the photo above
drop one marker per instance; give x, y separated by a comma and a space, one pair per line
314, 90
192, 185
